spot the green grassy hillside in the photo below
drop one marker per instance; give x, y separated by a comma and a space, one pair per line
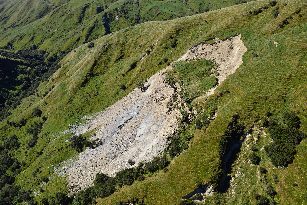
270, 82
56, 26
53, 28
265, 83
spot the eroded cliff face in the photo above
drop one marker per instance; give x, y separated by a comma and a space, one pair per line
138, 126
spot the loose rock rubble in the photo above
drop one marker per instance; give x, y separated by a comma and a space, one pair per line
134, 128
137, 127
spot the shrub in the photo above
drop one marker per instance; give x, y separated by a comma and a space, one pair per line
179, 142
8, 193
131, 162
123, 87
105, 190
126, 177
262, 200
6, 179
21, 122
290, 120
254, 148
16, 166
263, 170
93, 144
11, 142
60, 199
141, 178
90, 45
254, 158
78, 142
156, 164
85, 197
45, 179
45, 201
275, 13
256, 196
35, 128
271, 191
285, 134
32, 141
24, 196
281, 154
141, 85
101, 179
6, 161
170, 80
275, 178
202, 121
37, 112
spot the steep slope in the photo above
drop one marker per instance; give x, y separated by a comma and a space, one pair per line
56, 26
253, 93
138, 126
135, 128
271, 81
20, 13
42, 32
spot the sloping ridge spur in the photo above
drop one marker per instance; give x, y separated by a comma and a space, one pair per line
137, 127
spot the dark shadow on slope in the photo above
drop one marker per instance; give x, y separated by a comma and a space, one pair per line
229, 147
230, 158
106, 25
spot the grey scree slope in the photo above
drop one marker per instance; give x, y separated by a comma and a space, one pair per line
137, 126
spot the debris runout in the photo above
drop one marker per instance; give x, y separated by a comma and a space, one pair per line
138, 126
135, 128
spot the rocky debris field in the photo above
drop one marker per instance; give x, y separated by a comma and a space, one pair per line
138, 126
135, 128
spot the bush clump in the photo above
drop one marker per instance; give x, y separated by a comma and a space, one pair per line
11, 142
90, 45
254, 158
286, 135
105, 186
78, 142
37, 112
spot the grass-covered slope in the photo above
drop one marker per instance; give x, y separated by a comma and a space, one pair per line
272, 79
42, 32
56, 25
